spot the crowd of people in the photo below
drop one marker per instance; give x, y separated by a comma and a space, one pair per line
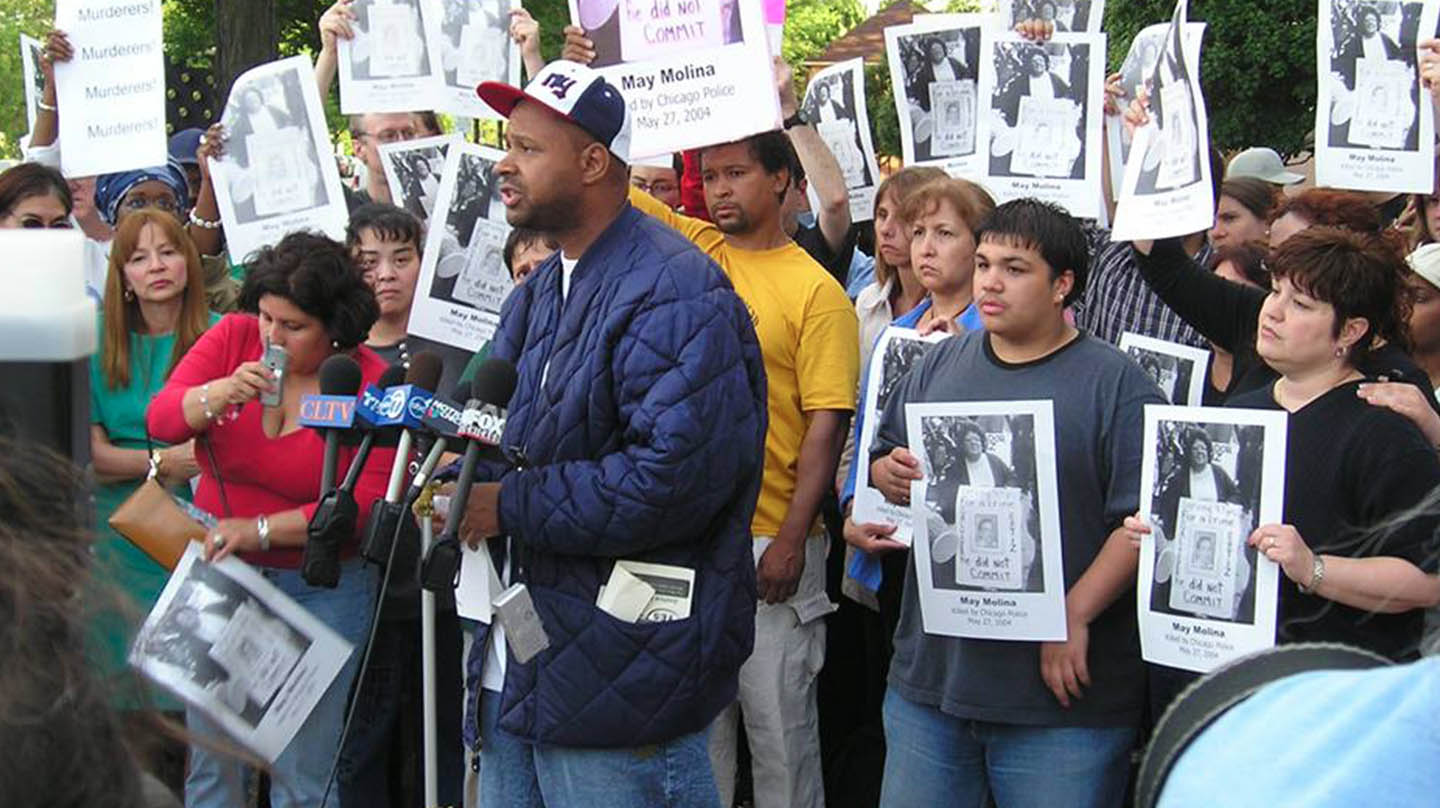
692, 345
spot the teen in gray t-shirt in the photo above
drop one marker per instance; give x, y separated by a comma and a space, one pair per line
1043, 723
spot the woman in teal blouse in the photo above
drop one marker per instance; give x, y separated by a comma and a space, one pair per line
153, 311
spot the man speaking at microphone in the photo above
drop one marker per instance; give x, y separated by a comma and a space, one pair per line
636, 430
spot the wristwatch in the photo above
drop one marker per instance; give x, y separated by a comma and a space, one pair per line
798, 119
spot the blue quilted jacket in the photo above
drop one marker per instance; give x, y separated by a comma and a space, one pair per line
641, 414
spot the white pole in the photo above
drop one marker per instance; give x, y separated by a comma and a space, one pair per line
427, 670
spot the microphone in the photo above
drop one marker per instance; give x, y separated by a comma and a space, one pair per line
482, 424
386, 516
337, 511
390, 379
442, 431
340, 376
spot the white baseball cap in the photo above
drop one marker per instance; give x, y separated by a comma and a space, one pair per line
1262, 163
1426, 263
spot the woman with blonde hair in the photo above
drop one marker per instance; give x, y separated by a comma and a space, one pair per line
154, 309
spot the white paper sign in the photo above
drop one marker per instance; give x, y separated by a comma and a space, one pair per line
688, 81
1374, 123
1066, 15
896, 352
1209, 477
278, 174
1166, 189
31, 50
463, 281
225, 641
113, 91
392, 64
934, 70
991, 566
475, 47
1135, 72
1043, 107
1180, 371
835, 99
413, 170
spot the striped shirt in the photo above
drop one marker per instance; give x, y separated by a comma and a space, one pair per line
1117, 299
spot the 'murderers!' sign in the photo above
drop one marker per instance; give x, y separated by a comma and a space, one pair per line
113, 90
693, 72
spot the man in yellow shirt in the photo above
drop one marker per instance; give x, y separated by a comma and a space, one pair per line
809, 338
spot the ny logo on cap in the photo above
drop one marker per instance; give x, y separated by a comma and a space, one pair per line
558, 84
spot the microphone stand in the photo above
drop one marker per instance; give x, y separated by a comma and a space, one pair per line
425, 510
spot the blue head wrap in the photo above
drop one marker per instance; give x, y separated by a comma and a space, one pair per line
111, 188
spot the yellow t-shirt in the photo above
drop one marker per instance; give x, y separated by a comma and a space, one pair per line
809, 337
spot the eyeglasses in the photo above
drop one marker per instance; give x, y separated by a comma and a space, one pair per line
660, 187
390, 135
164, 203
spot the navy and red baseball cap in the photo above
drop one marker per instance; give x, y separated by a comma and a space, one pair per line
576, 93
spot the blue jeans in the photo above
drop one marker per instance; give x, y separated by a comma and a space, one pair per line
935, 759
300, 774
516, 774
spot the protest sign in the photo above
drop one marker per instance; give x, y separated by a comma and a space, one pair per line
1136, 72
113, 90
986, 519
1180, 370
228, 643
277, 174
1208, 478
835, 102
475, 47
934, 68
463, 281
1043, 107
1374, 123
1166, 190
897, 350
393, 62
693, 72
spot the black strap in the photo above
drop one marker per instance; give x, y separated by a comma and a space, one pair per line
215, 467
1208, 698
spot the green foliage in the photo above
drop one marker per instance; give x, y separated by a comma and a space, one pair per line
1257, 66
880, 103
17, 17
811, 25
962, 6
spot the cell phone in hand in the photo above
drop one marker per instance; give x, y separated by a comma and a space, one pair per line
276, 360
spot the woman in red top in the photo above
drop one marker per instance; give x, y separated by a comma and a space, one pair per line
263, 478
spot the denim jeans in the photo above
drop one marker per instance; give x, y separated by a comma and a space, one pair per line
936, 759
516, 774
389, 717
300, 773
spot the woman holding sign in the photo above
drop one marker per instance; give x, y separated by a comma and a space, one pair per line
1350, 467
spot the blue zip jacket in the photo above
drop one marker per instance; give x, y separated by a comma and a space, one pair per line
640, 414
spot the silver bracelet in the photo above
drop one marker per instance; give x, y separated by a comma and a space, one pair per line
205, 401
1317, 574
262, 527
47, 107
204, 224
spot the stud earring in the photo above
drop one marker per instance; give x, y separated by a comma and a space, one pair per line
335, 343
129, 294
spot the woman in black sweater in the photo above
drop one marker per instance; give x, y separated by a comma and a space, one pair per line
1348, 574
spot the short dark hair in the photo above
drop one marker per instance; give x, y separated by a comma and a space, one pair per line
523, 237
23, 181
1251, 193
316, 274
772, 150
1248, 260
965, 427
1046, 228
387, 221
1197, 434
1358, 274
